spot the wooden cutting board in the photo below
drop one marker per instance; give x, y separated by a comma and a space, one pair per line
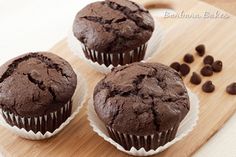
180, 37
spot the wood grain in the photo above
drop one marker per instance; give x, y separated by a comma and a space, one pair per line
227, 5
181, 36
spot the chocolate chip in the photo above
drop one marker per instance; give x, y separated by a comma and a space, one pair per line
207, 70
208, 60
188, 58
231, 89
184, 69
217, 66
208, 87
175, 65
195, 78
200, 50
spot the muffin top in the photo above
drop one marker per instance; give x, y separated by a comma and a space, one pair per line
141, 99
35, 84
113, 26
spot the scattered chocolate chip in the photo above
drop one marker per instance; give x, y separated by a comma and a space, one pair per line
188, 58
231, 89
200, 50
175, 66
207, 70
195, 78
184, 69
208, 87
208, 60
217, 66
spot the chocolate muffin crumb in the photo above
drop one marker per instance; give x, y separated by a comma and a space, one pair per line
184, 69
176, 66
208, 60
200, 50
217, 66
105, 26
141, 98
188, 58
47, 81
231, 89
195, 78
208, 87
207, 70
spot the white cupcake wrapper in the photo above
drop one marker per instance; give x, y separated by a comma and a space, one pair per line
78, 100
113, 59
48, 122
76, 47
147, 142
185, 127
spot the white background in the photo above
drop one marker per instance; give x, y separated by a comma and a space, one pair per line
36, 25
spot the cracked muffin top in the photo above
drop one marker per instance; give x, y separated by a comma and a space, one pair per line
141, 99
113, 26
36, 84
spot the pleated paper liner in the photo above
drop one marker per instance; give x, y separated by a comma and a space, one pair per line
115, 59
56, 121
48, 122
102, 62
158, 141
147, 142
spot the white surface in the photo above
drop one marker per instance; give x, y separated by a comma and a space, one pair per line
36, 25
185, 127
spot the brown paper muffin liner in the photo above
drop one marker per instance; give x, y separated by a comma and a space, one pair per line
148, 142
48, 122
115, 59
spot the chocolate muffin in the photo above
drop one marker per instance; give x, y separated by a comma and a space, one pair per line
142, 104
36, 91
113, 32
